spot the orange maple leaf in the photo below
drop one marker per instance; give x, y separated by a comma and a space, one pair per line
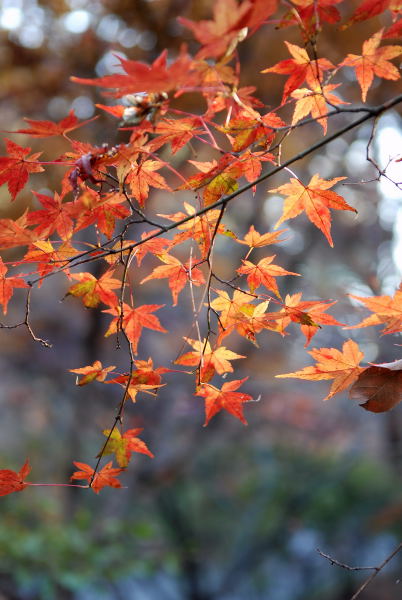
300, 68
201, 229
309, 314
92, 372
253, 239
315, 101
315, 199
142, 176
263, 273
224, 399
387, 310
208, 360
16, 167
11, 481
373, 61
343, 367
134, 320
240, 314
15, 232
122, 446
93, 290
7, 285
48, 257
177, 273
177, 132
104, 477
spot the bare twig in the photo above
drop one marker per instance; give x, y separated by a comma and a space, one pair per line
375, 570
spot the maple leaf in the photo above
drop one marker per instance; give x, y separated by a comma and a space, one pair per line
177, 273
315, 102
158, 77
15, 232
177, 132
221, 35
92, 372
263, 273
208, 360
104, 477
53, 217
300, 68
309, 314
373, 61
380, 386
91, 207
343, 367
42, 129
157, 245
134, 320
93, 290
311, 13
7, 285
386, 311
245, 129
122, 446
218, 177
16, 167
11, 481
142, 379
224, 399
200, 229
315, 199
238, 313
371, 8
253, 239
49, 258
143, 176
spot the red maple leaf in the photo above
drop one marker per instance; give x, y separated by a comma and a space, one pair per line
104, 477
300, 68
134, 320
91, 207
220, 35
158, 77
53, 217
15, 168
7, 285
371, 8
11, 481
143, 379
42, 129
224, 399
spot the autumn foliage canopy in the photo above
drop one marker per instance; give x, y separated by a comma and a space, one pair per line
108, 190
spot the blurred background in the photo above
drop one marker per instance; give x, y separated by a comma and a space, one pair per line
223, 512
